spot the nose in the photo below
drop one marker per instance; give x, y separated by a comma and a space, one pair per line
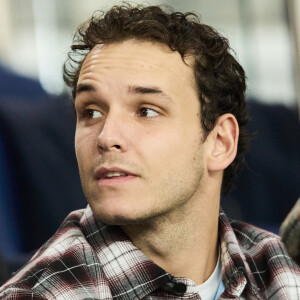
111, 136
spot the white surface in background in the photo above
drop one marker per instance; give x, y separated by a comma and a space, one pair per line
47, 46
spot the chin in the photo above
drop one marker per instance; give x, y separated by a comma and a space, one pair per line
114, 216
115, 219
119, 217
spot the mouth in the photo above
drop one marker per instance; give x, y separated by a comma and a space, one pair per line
113, 175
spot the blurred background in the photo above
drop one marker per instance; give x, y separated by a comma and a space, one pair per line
39, 182
35, 36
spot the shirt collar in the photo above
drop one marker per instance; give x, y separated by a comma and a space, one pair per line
132, 275
236, 274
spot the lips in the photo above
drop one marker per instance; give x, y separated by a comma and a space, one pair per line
111, 173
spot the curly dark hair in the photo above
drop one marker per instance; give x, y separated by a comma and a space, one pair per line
220, 79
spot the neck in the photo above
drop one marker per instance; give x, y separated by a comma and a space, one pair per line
190, 241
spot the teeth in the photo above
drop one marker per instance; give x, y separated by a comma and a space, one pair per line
114, 174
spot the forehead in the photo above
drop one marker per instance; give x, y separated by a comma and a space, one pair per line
137, 59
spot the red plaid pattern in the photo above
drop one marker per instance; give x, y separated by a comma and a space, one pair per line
87, 259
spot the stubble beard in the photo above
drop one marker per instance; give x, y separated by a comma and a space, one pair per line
178, 194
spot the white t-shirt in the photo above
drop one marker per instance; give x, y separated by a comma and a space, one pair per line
213, 287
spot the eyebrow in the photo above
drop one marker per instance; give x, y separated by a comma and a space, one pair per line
135, 89
132, 89
84, 88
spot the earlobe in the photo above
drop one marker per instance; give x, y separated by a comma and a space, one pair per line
223, 143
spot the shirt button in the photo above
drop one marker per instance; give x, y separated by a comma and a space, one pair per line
177, 288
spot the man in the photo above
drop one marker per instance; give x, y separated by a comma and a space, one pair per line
160, 131
290, 232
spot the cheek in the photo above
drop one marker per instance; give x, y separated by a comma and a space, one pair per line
161, 148
174, 147
85, 146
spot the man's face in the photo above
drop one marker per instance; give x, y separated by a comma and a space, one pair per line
138, 138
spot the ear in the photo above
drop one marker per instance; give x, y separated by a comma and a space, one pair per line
223, 140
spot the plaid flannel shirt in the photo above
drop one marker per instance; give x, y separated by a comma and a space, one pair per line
87, 259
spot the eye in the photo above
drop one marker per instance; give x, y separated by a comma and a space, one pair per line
148, 112
91, 114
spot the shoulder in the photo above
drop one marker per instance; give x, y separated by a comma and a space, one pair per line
252, 238
58, 266
267, 262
